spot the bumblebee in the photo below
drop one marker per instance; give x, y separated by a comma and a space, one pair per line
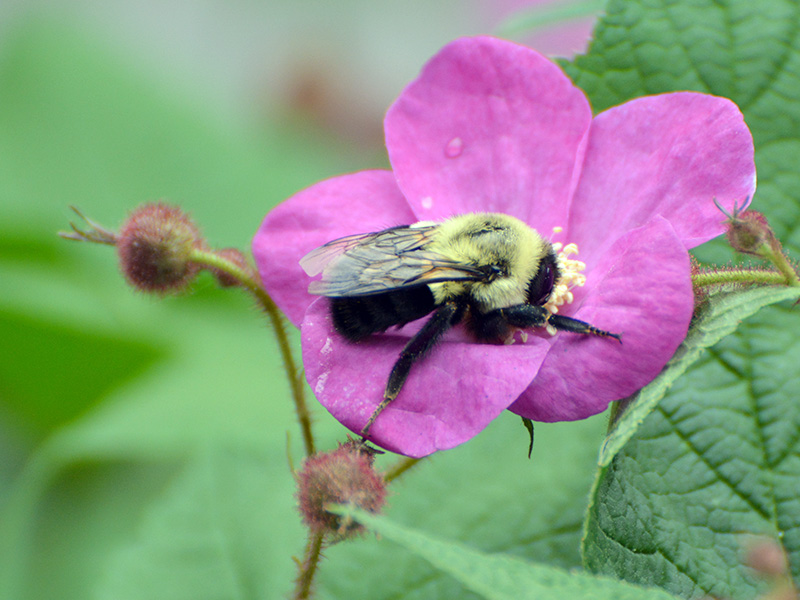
489, 271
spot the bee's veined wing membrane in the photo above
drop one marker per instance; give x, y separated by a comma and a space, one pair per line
371, 263
315, 261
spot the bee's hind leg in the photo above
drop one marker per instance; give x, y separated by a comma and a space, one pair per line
443, 318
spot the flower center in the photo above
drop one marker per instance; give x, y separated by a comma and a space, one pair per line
571, 276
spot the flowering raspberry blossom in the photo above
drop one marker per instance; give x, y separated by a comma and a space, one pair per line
491, 126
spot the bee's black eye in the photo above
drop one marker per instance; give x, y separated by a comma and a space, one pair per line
541, 286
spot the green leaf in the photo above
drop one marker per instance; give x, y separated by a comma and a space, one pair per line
208, 534
716, 463
718, 317
735, 49
499, 576
88, 488
42, 379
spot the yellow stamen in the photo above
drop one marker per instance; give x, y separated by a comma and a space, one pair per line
571, 277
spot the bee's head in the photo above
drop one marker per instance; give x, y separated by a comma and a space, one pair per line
543, 279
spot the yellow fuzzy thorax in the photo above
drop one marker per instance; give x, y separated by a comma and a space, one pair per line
503, 240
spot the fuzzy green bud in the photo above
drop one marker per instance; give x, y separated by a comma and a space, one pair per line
155, 247
750, 233
343, 476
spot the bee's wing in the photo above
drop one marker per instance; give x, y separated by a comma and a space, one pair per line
370, 263
315, 261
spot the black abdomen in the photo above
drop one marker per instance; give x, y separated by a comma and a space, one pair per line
357, 317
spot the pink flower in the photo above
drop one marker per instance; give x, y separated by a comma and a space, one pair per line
493, 126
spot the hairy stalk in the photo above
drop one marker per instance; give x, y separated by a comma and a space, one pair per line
739, 276
308, 568
779, 259
248, 280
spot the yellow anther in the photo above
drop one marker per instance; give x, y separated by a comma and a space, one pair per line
571, 277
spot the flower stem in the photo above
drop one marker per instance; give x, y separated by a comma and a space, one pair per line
778, 258
399, 468
248, 279
742, 277
308, 568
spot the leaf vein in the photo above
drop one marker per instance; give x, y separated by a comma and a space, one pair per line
656, 551
686, 439
780, 64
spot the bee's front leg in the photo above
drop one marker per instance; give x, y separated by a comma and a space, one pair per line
532, 315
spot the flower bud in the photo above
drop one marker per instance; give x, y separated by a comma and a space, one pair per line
766, 556
343, 476
749, 232
155, 247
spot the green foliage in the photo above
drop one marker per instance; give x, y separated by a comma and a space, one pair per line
208, 534
487, 494
117, 411
713, 466
503, 577
717, 318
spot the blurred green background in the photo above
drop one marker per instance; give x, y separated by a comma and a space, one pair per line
145, 444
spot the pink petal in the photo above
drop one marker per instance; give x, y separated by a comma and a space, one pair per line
642, 289
668, 155
448, 398
488, 126
357, 203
